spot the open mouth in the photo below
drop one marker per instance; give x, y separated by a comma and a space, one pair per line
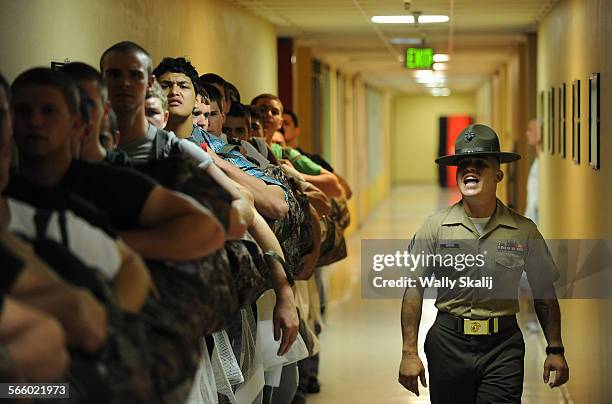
470, 179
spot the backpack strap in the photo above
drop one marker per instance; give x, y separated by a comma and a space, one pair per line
161, 141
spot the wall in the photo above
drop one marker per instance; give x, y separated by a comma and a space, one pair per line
415, 133
346, 117
506, 102
576, 201
208, 32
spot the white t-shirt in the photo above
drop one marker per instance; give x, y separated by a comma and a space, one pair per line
92, 245
480, 222
142, 150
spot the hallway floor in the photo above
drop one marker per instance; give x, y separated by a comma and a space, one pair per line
361, 342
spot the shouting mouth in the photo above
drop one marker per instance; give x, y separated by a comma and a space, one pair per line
470, 180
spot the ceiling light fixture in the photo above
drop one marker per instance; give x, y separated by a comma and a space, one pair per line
428, 74
432, 19
441, 57
407, 41
409, 19
440, 92
439, 66
393, 19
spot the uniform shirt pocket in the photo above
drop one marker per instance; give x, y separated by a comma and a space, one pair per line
510, 261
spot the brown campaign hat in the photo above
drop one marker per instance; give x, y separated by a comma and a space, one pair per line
477, 141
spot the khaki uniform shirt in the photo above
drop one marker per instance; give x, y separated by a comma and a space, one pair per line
508, 245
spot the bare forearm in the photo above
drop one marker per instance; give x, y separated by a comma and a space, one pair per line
241, 216
81, 315
133, 282
412, 305
186, 237
549, 316
266, 239
269, 199
63, 304
326, 182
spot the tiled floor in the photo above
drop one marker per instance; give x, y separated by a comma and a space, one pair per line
361, 344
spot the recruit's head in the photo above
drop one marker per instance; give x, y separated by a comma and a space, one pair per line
127, 70
180, 83
45, 105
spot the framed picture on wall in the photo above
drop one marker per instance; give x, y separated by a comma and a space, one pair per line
576, 121
562, 120
594, 121
551, 120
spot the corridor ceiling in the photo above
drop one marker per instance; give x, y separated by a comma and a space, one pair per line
479, 37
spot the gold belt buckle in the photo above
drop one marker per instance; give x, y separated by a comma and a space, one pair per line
478, 327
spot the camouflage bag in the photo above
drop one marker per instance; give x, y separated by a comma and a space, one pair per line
333, 244
224, 280
250, 272
294, 232
121, 368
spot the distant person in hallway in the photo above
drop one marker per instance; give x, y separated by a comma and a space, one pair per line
475, 349
311, 171
533, 139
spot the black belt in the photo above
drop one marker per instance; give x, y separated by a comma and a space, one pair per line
468, 326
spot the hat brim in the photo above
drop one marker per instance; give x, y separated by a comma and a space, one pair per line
452, 160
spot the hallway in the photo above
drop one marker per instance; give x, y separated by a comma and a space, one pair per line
361, 342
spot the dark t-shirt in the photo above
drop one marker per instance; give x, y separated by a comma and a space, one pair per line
57, 199
11, 267
119, 192
117, 157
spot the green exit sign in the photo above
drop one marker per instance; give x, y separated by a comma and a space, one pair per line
419, 58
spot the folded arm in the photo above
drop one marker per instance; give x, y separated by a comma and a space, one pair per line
175, 227
132, 283
326, 182
285, 313
81, 315
269, 199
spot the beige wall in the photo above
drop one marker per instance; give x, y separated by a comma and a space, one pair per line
414, 140
575, 200
586, 208
216, 35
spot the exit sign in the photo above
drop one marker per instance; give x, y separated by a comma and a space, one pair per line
419, 58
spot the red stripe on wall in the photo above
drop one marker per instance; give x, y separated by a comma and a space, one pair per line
454, 125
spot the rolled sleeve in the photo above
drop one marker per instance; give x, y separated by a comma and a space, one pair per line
423, 243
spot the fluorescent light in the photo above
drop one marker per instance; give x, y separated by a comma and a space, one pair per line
408, 19
439, 66
393, 19
430, 78
406, 41
441, 57
440, 92
423, 73
429, 74
429, 19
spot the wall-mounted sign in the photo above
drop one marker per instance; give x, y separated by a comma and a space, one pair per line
419, 58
